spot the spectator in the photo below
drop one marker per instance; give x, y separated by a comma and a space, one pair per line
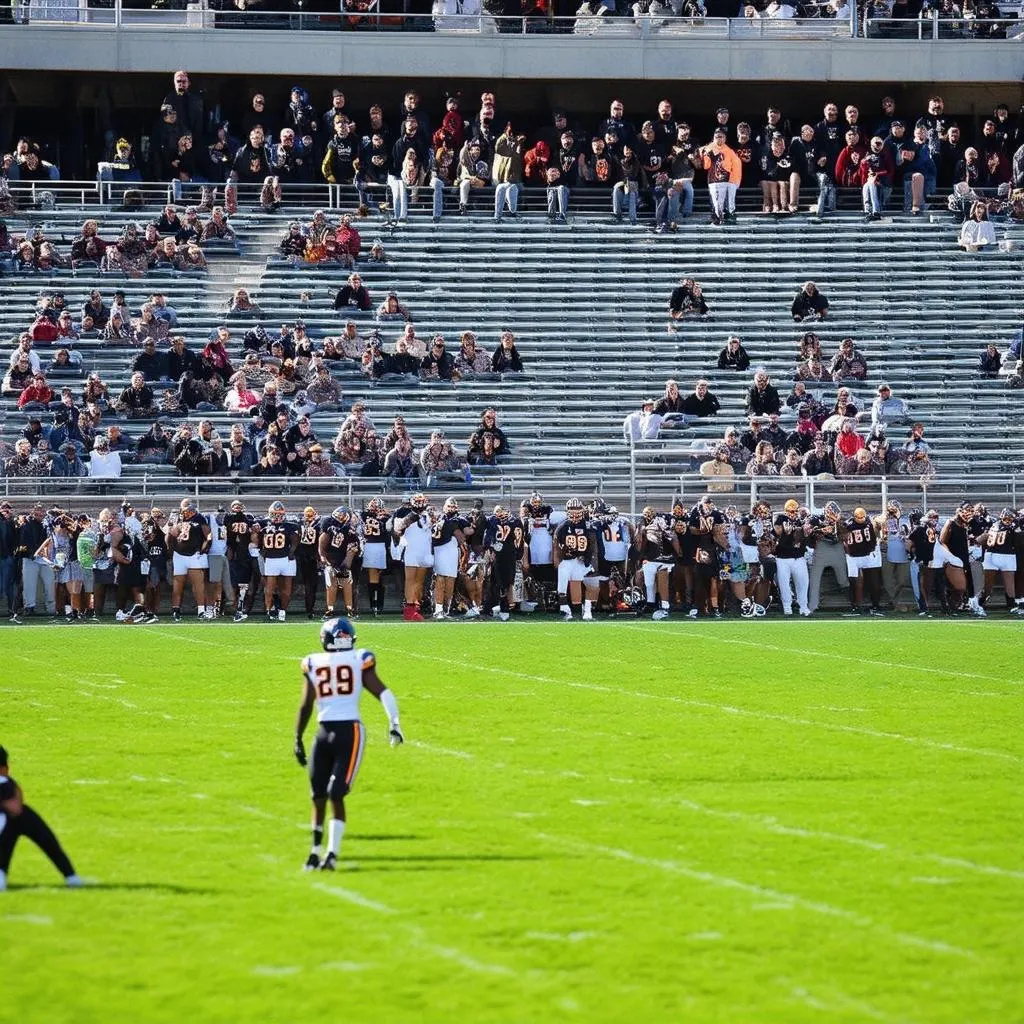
848, 363
733, 356
917, 453
809, 303
301, 405
762, 398
153, 445
119, 330
886, 410
215, 354
240, 398
136, 401
991, 361
352, 294
103, 463
919, 172
437, 364
243, 307
671, 403
150, 363
557, 192
876, 172
64, 362
977, 231
812, 369
718, 471
752, 437
473, 172
487, 442
687, 299
66, 330
848, 444
67, 462
24, 461
810, 346
818, 461
471, 361
95, 392
725, 171
702, 403
399, 462
506, 357
88, 247
439, 457
96, 309
391, 310
847, 169
130, 254
319, 462
507, 172
323, 390
791, 464
217, 226
638, 426
181, 360
36, 395
348, 242
150, 326
24, 350
763, 463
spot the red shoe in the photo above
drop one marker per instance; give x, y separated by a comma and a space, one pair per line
412, 614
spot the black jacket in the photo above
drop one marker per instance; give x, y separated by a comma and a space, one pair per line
30, 536
761, 403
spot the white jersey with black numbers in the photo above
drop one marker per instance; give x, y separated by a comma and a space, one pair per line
616, 536
337, 681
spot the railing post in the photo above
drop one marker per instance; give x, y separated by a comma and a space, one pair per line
632, 476
885, 492
117, 13
935, 24
853, 21
810, 492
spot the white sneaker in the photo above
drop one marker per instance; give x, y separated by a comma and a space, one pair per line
661, 613
588, 616
787, 611
1017, 609
496, 611
120, 616
503, 616
473, 613
281, 615
980, 612
73, 882
210, 615
805, 612
567, 616
693, 613
438, 614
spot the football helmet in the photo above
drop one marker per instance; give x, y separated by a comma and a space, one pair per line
574, 510
678, 508
338, 635
916, 514
832, 511
375, 505
612, 511
860, 515
1007, 516
500, 512
649, 514
894, 508
277, 512
450, 507
341, 515
965, 512
308, 514
236, 506
599, 507
189, 509
707, 502
933, 514
761, 510
419, 501
535, 500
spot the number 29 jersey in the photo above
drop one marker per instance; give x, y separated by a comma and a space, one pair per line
337, 681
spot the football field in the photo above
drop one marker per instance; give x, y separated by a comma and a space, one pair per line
735, 822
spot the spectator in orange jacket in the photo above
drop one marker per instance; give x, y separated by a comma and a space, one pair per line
724, 174
348, 242
36, 395
848, 161
44, 330
535, 164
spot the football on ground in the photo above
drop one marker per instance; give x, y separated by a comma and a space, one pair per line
703, 822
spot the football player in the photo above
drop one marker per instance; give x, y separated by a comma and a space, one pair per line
790, 561
308, 559
977, 532
614, 535
893, 530
278, 540
682, 576
863, 560
704, 519
412, 526
537, 517
156, 554
188, 537
334, 681
505, 544
828, 551
17, 819
574, 551
337, 548
219, 574
375, 551
448, 543
954, 544
1001, 557
239, 526
657, 548
921, 545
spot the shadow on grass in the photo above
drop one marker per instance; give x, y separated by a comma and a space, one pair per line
165, 887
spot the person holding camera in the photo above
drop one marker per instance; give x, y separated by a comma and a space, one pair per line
507, 172
725, 172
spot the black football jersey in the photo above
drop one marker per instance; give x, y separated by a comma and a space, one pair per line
374, 528
505, 537
238, 526
276, 538
339, 538
1000, 539
574, 540
861, 538
309, 538
923, 538
704, 521
190, 537
655, 541
444, 529
790, 541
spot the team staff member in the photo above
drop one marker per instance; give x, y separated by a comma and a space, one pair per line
893, 529
790, 560
828, 552
17, 819
449, 548
307, 558
725, 171
219, 573
189, 540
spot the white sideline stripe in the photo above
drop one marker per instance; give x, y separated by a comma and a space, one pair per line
725, 882
766, 822
353, 897
711, 637
764, 716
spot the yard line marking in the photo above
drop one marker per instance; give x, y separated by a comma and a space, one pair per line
90, 782
751, 889
38, 919
434, 749
838, 1002
353, 897
270, 971
764, 716
639, 628
561, 936
456, 956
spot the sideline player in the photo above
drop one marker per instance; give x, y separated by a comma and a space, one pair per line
339, 545
335, 681
575, 549
863, 561
375, 551
278, 540
17, 819
1001, 558
189, 539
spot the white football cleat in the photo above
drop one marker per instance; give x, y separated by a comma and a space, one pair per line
281, 615
74, 882
661, 613
588, 616
567, 616
503, 616
473, 613
693, 612
210, 614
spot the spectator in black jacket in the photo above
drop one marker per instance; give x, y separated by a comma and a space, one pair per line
991, 362
186, 104
153, 445
762, 398
437, 363
702, 402
487, 442
150, 363
809, 303
733, 356
136, 401
181, 360
671, 401
8, 545
687, 298
506, 357
353, 294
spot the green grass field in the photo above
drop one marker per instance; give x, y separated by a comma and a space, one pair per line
704, 822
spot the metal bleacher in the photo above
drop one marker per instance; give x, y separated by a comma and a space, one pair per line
588, 303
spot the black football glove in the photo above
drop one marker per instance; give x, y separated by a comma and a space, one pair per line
300, 751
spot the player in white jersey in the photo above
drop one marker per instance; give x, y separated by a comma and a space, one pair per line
334, 681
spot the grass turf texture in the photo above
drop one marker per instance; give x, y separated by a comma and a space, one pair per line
729, 822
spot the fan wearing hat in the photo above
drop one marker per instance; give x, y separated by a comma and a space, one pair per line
887, 410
